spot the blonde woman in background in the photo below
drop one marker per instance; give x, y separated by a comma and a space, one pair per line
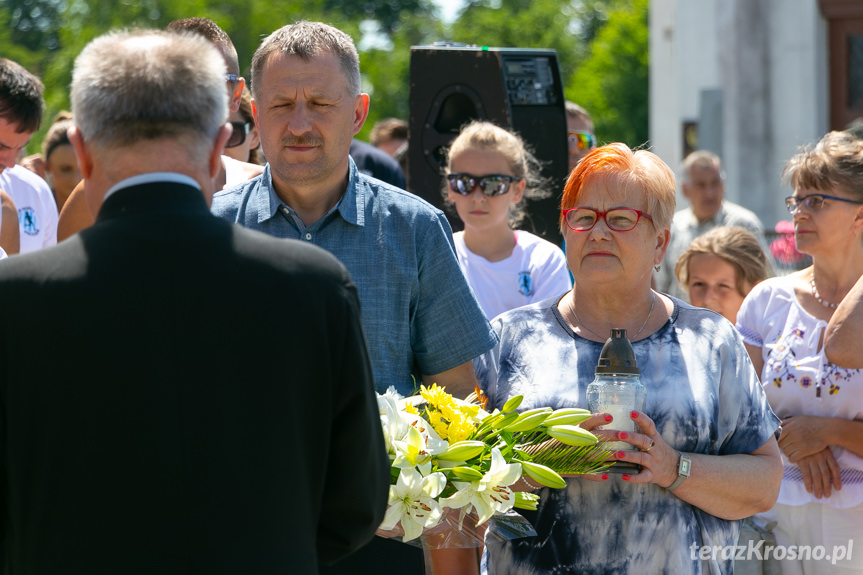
720, 268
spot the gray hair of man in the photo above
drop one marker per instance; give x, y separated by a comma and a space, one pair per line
133, 86
306, 40
700, 159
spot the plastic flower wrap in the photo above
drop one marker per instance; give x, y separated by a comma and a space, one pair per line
451, 454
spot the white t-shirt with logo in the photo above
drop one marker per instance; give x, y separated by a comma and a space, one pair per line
37, 210
535, 271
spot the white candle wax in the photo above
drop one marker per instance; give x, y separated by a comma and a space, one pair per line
622, 422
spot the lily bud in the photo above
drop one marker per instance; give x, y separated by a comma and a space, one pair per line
571, 435
544, 475
466, 473
463, 450
529, 420
567, 416
512, 403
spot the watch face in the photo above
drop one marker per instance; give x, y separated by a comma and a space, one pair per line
684, 467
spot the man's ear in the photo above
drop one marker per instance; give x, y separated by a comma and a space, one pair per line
361, 112
215, 163
82, 152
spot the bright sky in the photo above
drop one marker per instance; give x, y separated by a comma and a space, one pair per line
449, 9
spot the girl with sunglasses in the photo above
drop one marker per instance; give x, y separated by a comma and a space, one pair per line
489, 174
244, 143
783, 321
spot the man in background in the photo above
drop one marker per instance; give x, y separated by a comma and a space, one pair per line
21, 106
76, 216
389, 135
579, 128
703, 184
195, 441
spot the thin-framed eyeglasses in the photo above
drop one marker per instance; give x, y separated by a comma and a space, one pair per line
582, 140
490, 185
238, 136
813, 202
618, 219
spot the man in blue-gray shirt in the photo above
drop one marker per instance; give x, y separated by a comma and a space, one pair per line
419, 315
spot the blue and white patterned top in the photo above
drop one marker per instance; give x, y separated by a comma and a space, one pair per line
418, 312
704, 396
800, 380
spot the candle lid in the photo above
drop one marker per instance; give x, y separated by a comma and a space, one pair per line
617, 355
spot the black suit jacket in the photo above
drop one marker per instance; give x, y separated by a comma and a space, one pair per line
181, 395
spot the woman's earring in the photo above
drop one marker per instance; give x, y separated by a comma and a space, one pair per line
656, 267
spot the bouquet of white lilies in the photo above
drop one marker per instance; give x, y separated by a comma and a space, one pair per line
451, 453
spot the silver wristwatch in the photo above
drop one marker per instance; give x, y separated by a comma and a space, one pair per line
684, 467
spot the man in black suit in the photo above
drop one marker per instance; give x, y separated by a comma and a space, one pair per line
192, 440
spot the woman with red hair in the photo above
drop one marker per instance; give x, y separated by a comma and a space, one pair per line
705, 443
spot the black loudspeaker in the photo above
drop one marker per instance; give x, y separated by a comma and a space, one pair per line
518, 89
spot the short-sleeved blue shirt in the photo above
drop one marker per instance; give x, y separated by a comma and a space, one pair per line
418, 312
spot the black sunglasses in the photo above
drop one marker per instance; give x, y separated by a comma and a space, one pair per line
491, 185
238, 136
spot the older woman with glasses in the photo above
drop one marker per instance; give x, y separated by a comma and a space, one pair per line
705, 443
783, 322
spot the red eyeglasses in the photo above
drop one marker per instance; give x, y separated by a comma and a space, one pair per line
617, 219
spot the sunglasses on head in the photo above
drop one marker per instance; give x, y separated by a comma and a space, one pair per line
238, 136
583, 140
491, 185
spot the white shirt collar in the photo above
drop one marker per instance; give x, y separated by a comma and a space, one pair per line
149, 179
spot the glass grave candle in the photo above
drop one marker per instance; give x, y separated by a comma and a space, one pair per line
617, 390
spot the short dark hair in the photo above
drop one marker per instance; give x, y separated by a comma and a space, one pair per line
388, 129
211, 31
21, 99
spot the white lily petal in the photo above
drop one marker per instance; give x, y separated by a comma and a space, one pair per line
433, 484
411, 529
425, 512
393, 515
458, 499
483, 510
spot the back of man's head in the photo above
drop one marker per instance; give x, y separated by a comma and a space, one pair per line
211, 31
388, 129
21, 100
129, 87
306, 40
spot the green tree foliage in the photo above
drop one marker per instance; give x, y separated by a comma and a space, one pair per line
602, 44
543, 24
612, 83
386, 71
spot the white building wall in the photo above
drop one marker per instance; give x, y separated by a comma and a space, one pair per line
753, 74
